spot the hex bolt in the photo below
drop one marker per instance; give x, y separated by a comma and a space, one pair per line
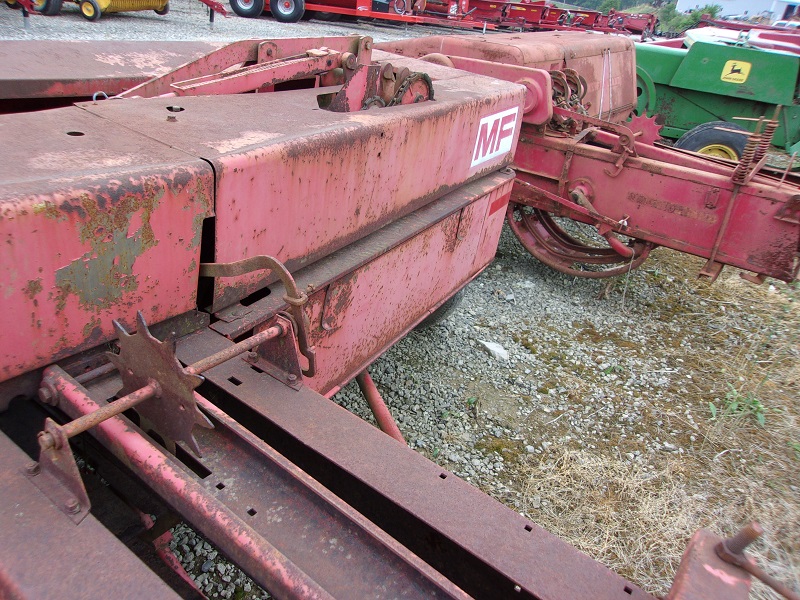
749, 534
252, 355
291, 377
47, 395
33, 468
73, 506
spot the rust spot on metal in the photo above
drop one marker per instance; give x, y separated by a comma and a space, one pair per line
33, 288
51, 211
100, 277
93, 328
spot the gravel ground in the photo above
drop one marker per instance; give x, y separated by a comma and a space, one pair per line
599, 424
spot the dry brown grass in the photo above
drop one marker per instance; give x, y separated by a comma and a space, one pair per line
744, 343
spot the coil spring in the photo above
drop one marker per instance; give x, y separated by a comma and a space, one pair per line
766, 139
748, 155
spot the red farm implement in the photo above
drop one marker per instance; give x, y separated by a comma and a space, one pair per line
586, 167
192, 268
524, 15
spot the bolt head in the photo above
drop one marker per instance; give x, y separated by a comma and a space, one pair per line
73, 506
46, 395
252, 355
291, 377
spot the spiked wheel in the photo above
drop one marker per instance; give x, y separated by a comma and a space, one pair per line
645, 128
569, 246
143, 358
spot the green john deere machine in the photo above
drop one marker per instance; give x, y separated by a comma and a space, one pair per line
699, 91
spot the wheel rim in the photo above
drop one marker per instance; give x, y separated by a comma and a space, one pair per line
245, 4
575, 252
87, 9
286, 7
719, 151
39, 5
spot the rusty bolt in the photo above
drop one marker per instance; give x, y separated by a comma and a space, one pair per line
291, 377
368, 45
47, 394
33, 468
749, 534
349, 60
73, 506
252, 355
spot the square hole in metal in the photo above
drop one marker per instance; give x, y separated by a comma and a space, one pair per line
234, 381
252, 512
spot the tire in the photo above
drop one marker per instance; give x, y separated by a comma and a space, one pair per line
248, 8
440, 314
90, 10
48, 8
163, 11
13, 5
287, 11
707, 139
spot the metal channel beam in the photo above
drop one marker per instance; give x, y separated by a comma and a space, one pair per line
242, 494
483, 547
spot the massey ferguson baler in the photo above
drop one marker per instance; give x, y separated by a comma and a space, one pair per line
191, 270
594, 194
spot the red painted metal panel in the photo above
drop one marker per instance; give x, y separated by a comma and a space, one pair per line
70, 69
298, 183
365, 312
355, 279
606, 62
96, 223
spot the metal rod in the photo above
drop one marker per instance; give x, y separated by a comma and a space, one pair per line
244, 346
378, 406
85, 422
731, 550
260, 559
95, 373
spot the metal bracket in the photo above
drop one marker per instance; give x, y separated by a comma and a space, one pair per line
790, 212
279, 357
57, 476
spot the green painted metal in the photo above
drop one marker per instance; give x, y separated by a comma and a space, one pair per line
718, 82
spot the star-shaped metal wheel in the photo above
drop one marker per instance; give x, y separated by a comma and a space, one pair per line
142, 358
645, 128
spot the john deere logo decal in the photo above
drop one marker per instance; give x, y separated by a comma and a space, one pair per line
735, 71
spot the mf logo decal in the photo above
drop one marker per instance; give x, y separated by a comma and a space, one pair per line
735, 71
495, 136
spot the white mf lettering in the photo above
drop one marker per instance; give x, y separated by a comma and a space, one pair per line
495, 136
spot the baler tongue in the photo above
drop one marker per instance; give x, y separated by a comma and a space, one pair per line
253, 66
